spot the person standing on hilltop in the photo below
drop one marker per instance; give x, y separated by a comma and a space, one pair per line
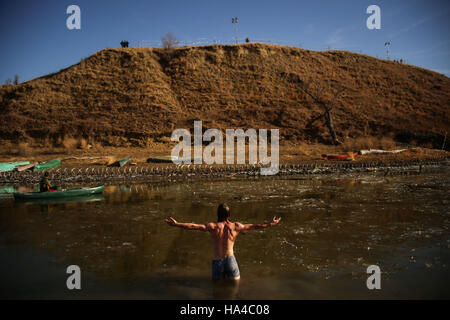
223, 234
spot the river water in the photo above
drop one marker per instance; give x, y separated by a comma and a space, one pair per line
332, 228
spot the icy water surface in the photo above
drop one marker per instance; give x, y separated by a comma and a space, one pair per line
332, 229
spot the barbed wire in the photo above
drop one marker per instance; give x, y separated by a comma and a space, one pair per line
143, 173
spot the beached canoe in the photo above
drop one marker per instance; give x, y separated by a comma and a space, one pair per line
163, 159
121, 163
7, 190
377, 151
338, 156
59, 194
47, 165
26, 167
9, 166
170, 159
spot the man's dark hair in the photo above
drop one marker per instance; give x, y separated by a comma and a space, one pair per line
46, 174
223, 212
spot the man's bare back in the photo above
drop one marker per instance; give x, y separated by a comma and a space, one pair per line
223, 234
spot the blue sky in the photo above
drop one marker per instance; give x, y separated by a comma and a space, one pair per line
35, 40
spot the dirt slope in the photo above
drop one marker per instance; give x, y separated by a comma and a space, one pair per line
136, 96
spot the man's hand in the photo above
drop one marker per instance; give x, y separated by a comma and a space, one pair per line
275, 221
171, 221
249, 227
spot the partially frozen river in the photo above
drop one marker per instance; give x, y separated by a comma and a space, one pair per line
332, 229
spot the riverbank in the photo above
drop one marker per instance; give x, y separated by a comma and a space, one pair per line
288, 154
93, 165
158, 172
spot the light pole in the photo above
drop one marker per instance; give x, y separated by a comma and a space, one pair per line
387, 44
235, 22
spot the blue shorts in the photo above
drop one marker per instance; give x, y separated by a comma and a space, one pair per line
225, 268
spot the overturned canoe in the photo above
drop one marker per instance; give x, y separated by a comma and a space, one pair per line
172, 159
47, 165
163, 159
121, 163
59, 194
9, 166
26, 167
377, 151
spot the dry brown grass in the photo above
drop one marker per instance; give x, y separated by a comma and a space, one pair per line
109, 160
97, 146
134, 97
69, 144
384, 143
23, 149
83, 144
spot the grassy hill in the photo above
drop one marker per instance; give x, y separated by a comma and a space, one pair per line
138, 96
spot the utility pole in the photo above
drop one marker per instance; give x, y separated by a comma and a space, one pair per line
235, 22
387, 44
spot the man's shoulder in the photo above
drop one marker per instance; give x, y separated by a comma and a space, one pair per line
211, 225
217, 225
235, 225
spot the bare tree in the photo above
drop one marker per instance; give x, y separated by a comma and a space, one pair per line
318, 96
169, 41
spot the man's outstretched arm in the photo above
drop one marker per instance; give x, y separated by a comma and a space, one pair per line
249, 227
190, 226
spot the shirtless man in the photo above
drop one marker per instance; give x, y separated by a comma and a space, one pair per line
223, 235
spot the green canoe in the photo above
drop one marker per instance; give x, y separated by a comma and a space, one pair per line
47, 165
6, 192
58, 194
77, 199
7, 189
121, 163
9, 166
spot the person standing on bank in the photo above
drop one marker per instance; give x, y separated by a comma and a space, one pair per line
223, 234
